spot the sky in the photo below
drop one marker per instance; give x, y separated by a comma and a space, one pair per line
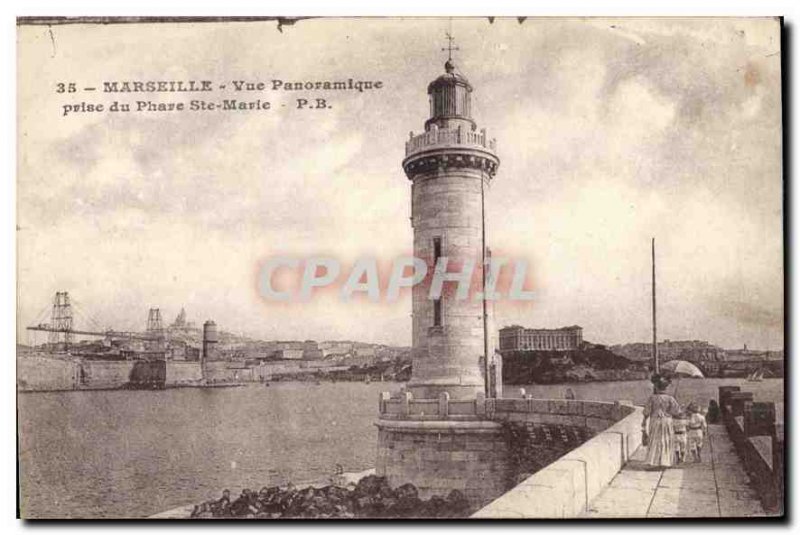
609, 131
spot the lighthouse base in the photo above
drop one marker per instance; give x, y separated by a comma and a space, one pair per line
437, 457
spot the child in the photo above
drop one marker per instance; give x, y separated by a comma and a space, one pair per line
679, 424
697, 429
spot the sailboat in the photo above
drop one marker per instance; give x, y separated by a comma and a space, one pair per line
756, 376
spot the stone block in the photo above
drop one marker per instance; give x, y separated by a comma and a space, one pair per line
722, 397
480, 445
677, 503
480, 404
433, 455
557, 406
553, 492
504, 405
490, 455
563, 419
621, 502
464, 455
517, 417
522, 502
598, 410
759, 418
539, 405
597, 424
644, 481
601, 458
737, 400
520, 405
574, 406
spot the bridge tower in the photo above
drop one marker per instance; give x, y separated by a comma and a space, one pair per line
155, 328
436, 435
61, 320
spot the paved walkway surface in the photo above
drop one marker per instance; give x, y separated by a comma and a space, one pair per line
716, 487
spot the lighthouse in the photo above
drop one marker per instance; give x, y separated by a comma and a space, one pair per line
436, 433
451, 165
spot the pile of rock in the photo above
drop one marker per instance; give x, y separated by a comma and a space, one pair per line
371, 497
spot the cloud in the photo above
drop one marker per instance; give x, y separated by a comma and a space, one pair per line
609, 131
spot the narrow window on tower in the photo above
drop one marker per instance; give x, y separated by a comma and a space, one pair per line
437, 313
437, 303
437, 249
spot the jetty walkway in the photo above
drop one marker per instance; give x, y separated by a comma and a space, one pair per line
716, 487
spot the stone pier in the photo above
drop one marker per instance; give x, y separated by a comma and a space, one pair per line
441, 445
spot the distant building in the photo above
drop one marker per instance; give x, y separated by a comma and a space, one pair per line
181, 324
516, 338
312, 353
363, 350
692, 350
335, 347
289, 354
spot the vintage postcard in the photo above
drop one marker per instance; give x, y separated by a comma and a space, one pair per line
392, 268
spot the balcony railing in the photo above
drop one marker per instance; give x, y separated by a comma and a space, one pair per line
457, 136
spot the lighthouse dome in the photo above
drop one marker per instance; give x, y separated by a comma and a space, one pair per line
450, 97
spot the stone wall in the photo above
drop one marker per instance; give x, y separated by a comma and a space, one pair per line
46, 373
105, 374
440, 444
565, 488
35, 373
179, 373
222, 372
438, 457
757, 433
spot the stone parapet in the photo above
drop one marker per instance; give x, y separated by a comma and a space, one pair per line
565, 488
443, 138
757, 436
597, 415
441, 445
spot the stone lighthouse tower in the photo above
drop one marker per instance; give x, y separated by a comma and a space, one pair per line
436, 434
450, 165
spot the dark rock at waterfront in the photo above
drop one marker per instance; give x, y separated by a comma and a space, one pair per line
371, 497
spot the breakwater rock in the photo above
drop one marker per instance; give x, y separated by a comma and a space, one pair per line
371, 497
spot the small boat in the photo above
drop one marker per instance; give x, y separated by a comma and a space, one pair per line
756, 376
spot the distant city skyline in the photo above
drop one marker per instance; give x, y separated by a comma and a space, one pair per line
610, 132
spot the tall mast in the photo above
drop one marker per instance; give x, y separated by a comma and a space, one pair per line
655, 337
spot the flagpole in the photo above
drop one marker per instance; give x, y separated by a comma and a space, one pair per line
655, 337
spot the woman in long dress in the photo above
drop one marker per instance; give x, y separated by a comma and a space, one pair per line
659, 410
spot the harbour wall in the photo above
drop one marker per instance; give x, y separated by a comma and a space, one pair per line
484, 447
183, 372
566, 487
105, 374
45, 373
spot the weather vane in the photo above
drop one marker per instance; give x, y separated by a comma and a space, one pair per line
450, 46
